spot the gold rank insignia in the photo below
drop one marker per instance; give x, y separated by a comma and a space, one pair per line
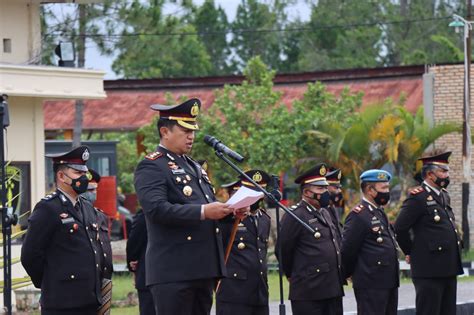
322, 170
195, 109
188, 177
178, 179
257, 177
187, 191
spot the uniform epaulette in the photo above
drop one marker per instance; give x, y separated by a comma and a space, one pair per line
50, 196
358, 208
153, 155
416, 190
293, 207
99, 210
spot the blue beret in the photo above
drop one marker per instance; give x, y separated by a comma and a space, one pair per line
375, 176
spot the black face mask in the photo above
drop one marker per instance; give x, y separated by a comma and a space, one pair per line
382, 198
442, 182
323, 198
255, 206
337, 199
79, 185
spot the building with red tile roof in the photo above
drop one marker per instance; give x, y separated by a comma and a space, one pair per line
126, 107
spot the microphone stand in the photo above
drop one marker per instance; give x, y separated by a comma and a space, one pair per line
282, 308
278, 205
8, 219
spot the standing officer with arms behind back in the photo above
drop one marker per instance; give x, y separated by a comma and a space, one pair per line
312, 262
428, 236
61, 250
185, 255
369, 248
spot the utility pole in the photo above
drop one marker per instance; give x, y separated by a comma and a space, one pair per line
466, 132
81, 53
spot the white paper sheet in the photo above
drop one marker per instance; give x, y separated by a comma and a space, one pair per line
244, 197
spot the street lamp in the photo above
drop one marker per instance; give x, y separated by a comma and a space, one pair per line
466, 130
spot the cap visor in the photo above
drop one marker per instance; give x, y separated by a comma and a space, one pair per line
78, 167
188, 125
319, 183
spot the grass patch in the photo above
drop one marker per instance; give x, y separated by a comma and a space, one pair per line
131, 310
122, 284
468, 256
274, 286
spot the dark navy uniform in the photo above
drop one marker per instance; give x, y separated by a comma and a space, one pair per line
312, 263
62, 255
184, 256
336, 209
136, 249
427, 232
370, 257
245, 289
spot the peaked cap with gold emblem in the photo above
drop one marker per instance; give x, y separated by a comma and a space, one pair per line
75, 159
441, 160
184, 114
334, 177
260, 177
314, 176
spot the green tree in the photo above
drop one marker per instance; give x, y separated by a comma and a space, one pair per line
342, 35
211, 23
153, 45
381, 134
426, 39
253, 32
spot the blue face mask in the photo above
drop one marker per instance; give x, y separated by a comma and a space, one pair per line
91, 196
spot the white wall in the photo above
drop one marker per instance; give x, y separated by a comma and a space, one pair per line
20, 22
25, 140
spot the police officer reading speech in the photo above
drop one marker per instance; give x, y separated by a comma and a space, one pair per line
61, 251
184, 254
312, 262
427, 234
369, 248
245, 289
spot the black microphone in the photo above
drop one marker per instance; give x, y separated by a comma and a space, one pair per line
219, 146
275, 187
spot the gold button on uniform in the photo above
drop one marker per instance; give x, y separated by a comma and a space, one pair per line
189, 238
317, 270
217, 230
440, 248
72, 276
235, 275
378, 263
241, 245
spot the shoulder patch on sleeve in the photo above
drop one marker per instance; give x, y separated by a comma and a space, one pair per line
358, 208
50, 196
153, 155
416, 190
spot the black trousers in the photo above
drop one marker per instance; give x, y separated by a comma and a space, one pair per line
376, 301
224, 308
331, 306
435, 296
183, 298
145, 302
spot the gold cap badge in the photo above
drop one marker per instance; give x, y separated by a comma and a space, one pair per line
195, 109
322, 170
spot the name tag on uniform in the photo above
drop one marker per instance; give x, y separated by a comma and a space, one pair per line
242, 228
178, 171
431, 203
67, 220
313, 220
374, 222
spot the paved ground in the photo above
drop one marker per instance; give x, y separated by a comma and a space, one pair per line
406, 298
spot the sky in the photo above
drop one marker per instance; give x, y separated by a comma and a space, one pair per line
94, 60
